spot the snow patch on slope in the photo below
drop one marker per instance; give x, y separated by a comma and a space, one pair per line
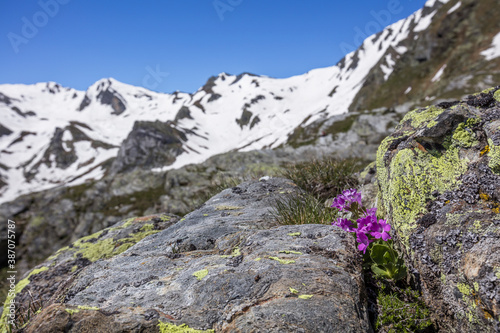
387, 70
439, 74
454, 8
494, 51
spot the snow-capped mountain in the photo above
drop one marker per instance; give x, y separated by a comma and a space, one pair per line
52, 136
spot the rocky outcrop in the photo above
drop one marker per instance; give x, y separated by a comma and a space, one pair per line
439, 185
226, 267
354, 134
152, 144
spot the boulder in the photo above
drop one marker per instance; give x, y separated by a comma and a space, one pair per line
226, 267
439, 186
40, 286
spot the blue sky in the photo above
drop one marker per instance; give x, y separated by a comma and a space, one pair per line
177, 45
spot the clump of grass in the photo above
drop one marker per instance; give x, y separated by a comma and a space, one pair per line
302, 208
401, 310
25, 313
321, 180
324, 178
396, 307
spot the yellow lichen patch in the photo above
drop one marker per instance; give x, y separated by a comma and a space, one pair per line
464, 289
420, 116
496, 95
476, 227
94, 251
87, 238
74, 268
147, 227
494, 154
72, 311
282, 261
55, 255
224, 207
200, 274
484, 196
463, 135
107, 248
431, 123
294, 234
290, 252
419, 174
454, 219
128, 223
293, 291
497, 272
485, 150
183, 328
236, 252
85, 307
485, 91
305, 296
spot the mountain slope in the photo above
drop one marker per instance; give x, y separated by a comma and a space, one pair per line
458, 52
52, 136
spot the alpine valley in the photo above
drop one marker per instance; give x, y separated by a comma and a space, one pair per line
75, 162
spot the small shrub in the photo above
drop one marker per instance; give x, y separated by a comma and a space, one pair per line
325, 178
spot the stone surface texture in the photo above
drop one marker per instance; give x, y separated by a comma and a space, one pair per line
439, 185
226, 267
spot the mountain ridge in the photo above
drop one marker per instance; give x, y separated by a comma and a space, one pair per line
57, 136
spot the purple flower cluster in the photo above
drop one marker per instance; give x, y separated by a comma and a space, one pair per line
344, 200
367, 227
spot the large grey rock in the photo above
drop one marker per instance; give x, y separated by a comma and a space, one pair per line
226, 266
439, 186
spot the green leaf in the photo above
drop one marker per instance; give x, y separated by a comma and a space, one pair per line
378, 254
381, 272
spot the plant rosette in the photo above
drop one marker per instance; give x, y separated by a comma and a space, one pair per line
371, 234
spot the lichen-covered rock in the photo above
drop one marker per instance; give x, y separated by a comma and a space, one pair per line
39, 287
225, 267
440, 189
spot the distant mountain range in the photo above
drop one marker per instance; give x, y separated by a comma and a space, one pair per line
53, 136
